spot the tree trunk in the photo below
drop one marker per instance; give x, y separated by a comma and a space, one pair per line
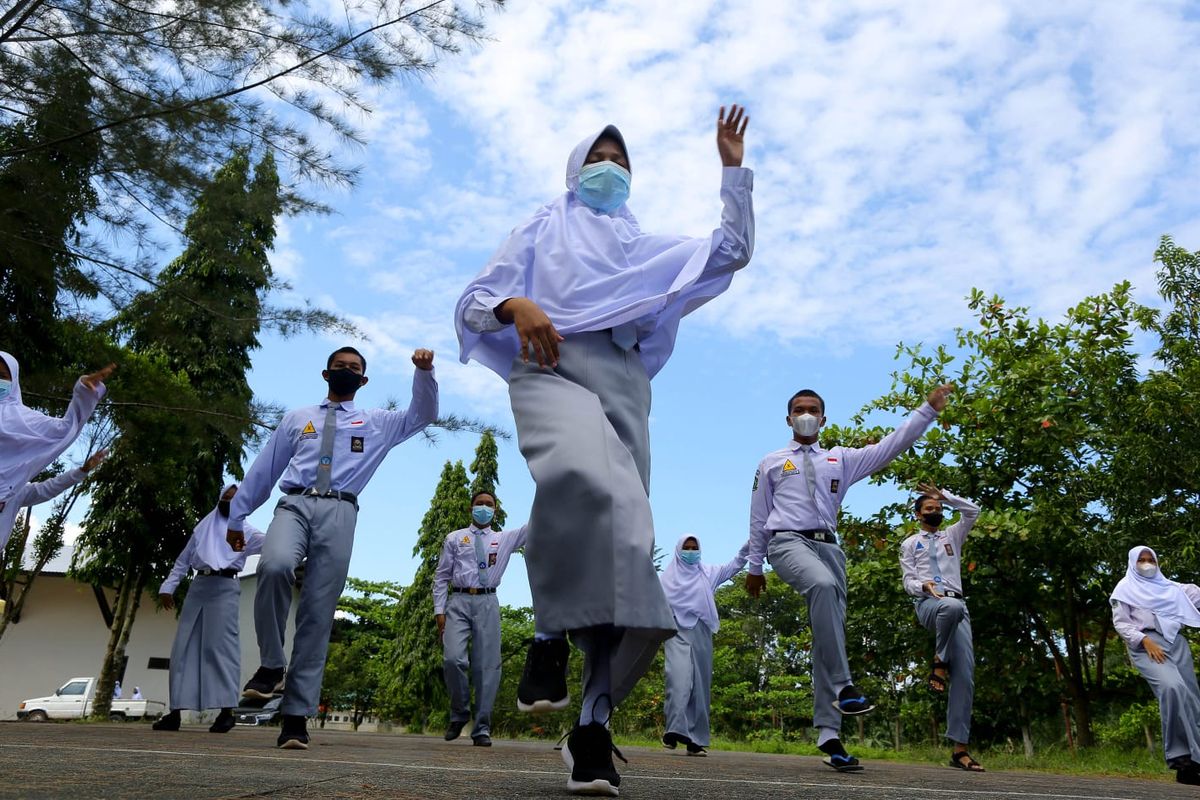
1076, 680
861, 729
1026, 730
896, 734
102, 700
1067, 726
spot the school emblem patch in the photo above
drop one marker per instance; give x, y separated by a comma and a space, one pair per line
833, 486
356, 444
465, 540
789, 468
753, 488
308, 432
491, 559
949, 549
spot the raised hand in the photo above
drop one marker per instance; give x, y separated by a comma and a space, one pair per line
938, 397
94, 460
731, 132
930, 490
423, 359
236, 539
96, 379
755, 584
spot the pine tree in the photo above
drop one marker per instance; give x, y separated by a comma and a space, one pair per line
416, 689
167, 467
486, 468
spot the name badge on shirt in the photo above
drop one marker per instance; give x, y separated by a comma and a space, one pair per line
833, 486
356, 444
949, 549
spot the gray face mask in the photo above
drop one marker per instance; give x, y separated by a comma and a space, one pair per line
806, 424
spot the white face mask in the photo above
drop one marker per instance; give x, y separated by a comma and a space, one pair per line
1147, 570
806, 424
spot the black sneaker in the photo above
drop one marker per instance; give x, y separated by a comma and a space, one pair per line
543, 686
670, 740
851, 701
838, 758
224, 722
482, 740
588, 752
167, 722
694, 749
1188, 772
294, 735
265, 684
454, 730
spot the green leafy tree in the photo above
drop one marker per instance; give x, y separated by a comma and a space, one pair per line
414, 688
486, 469
354, 668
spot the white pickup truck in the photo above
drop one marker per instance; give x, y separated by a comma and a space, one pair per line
73, 700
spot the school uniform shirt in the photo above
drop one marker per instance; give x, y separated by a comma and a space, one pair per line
780, 500
459, 567
30, 440
30, 495
362, 438
945, 545
590, 271
1141, 604
208, 549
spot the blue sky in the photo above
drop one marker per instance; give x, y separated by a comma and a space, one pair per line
904, 152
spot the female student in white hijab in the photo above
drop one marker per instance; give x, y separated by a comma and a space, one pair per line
30, 440
577, 311
206, 657
1149, 610
690, 585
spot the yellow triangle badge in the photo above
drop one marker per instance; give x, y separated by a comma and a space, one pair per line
309, 428
788, 466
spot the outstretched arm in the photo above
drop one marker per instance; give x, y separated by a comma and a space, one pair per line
861, 462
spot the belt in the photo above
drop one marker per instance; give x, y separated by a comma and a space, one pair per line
953, 594
462, 590
814, 534
223, 573
349, 497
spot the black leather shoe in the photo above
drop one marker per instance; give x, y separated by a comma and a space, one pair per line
482, 740
224, 722
294, 735
167, 722
454, 730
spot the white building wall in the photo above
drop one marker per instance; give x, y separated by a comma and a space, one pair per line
62, 635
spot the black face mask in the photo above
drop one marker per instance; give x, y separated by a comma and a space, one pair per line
933, 518
343, 382
223, 508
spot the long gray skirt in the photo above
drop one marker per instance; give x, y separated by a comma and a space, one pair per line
206, 660
689, 664
585, 433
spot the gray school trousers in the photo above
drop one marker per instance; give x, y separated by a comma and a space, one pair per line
472, 621
817, 570
321, 530
950, 623
1174, 685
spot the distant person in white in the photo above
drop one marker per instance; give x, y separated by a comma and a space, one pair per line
29, 440
931, 565
206, 658
137, 693
467, 613
116, 690
689, 585
578, 310
1149, 612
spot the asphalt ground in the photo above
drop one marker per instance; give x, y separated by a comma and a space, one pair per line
62, 760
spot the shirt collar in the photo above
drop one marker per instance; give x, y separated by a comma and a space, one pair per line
795, 446
347, 405
475, 529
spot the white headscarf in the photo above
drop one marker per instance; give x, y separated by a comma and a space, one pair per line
30, 440
590, 271
1159, 594
689, 589
211, 546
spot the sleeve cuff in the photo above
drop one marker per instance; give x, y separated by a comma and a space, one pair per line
755, 569
737, 176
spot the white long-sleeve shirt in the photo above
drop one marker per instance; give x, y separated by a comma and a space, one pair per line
362, 438
204, 537
30, 495
1131, 623
780, 500
944, 545
458, 566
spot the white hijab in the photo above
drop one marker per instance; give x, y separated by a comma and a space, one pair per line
30, 440
689, 590
590, 271
1159, 594
211, 546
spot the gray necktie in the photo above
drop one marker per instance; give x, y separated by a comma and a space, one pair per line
325, 461
810, 475
933, 562
624, 335
481, 559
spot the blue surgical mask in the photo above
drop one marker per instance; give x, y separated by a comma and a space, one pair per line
482, 515
603, 186
689, 556
5, 389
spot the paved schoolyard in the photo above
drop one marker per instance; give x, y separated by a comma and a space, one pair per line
130, 760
